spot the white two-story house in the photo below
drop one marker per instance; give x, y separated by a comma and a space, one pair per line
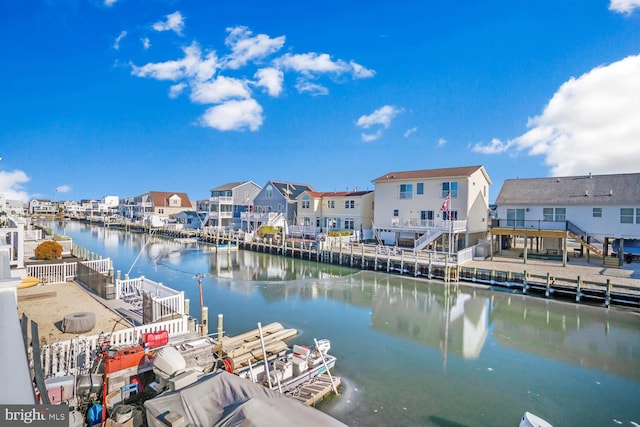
322, 212
422, 208
600, 212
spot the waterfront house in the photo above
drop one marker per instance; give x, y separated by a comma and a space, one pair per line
593, 210
191, 220
421, 208
42, 207
275, 204
322, 212
160, 204
228, 201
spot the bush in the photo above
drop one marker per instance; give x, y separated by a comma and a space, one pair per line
339, 233
49, 250
267, 231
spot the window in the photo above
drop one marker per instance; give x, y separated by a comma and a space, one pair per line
554, 214
426, 215
420, 188
597, 212
450, 188
349, 223
452, 215
305, 204
626, 215
349, 204
395, 213
268, 193
317, 222
515, 217
331, 204
406, 191
306, 221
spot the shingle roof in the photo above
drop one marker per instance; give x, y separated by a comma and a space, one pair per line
613, 190
291, 190
338, 193
464, 171
229, 186
161, 198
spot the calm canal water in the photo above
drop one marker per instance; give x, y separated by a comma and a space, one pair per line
409, 352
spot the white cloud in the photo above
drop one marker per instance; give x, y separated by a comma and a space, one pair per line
624, 6
116, 44
176, 90
245, 48
308, 63
382, 116
219, 90
234, 115
146, 43
441, 142
109, 3
173, 22
63, 189
314, 89
590, 124
193, 65
410, 132
11, 185
368, 137
271, 79
203, 74
360, 72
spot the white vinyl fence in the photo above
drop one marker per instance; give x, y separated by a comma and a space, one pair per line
76, 356
58, 273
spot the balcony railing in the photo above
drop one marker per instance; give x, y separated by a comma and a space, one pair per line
224, 200
530, 224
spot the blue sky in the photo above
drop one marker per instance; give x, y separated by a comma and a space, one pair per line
121, 97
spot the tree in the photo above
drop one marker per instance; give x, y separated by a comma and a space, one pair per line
49, 250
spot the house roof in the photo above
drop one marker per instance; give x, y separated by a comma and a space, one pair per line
591, 190
161, 198
338, 193
231, 186
291, 190
463, 171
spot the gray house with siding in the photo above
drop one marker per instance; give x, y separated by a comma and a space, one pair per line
600, 212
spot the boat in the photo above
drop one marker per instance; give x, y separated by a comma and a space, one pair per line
630, 246
532, 420
292, 368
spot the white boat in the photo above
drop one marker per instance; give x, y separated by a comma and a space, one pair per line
293, 368
532, 420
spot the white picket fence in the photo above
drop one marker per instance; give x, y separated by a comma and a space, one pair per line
58, 273
166, 301
76, 356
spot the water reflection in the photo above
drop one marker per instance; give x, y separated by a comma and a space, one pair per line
412, 350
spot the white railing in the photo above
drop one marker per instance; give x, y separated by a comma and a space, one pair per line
227, 200
167, 301
427, 238
76, 356
58, 273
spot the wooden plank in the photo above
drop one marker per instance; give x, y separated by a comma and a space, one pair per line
41, 295
37, 364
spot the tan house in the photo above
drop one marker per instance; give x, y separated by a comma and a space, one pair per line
322, 212
162, 204
425, 207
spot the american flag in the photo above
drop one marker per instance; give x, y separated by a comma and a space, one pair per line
447, 202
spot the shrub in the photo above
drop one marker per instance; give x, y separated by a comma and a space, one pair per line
49, 250
339, 233
268, 231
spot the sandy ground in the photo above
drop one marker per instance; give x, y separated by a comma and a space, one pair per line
48, 304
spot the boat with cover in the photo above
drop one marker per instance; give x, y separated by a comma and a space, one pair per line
293, 368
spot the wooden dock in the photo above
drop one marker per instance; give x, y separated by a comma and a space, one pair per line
315, 389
